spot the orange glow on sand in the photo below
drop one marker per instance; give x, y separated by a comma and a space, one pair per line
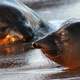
9, 39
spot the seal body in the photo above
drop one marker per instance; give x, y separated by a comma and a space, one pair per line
63, 46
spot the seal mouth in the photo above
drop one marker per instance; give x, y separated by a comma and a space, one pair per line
36, 45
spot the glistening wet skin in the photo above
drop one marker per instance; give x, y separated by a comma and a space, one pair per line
65, 46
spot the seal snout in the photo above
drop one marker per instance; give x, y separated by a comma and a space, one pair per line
36, 45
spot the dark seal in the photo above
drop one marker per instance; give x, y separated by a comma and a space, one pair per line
63, 46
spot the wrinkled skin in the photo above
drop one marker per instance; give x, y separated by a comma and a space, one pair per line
63, 46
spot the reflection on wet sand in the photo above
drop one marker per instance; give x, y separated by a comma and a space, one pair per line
19, 55
13, 55
33, 65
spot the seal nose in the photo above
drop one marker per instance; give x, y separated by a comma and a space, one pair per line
36, 44
41, 43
